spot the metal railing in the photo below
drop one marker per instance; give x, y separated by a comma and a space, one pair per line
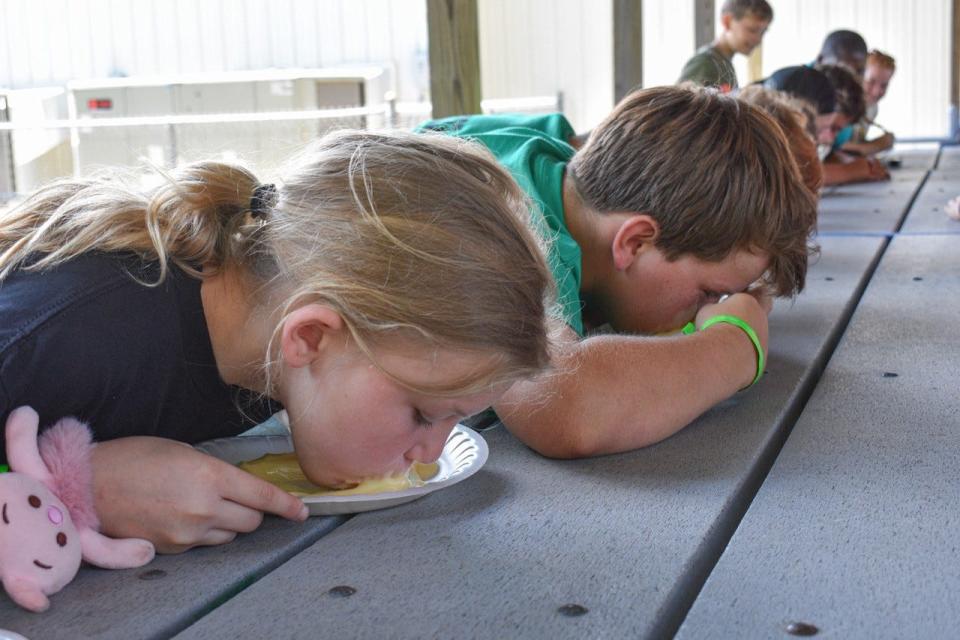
390, 114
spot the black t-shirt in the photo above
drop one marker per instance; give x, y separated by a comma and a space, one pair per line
86, 339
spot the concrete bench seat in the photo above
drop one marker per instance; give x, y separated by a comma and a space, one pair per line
876, 207
528, 544
856, 530
927, 214
949, 158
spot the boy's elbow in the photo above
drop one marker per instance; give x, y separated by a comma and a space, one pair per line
568, 439
561, 439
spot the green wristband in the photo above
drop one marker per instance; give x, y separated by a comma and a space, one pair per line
4, 468
747, 329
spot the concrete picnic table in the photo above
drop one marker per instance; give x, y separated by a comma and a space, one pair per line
697, 536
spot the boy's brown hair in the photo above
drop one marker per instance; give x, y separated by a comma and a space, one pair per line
848, 90
716, 173
760, 9
789, 115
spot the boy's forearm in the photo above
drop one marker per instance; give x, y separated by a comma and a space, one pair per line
616, 393
868, 148
838, 173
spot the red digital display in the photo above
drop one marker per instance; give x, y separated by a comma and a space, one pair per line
99, 104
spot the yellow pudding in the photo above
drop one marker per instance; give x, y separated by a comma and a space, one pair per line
283, 470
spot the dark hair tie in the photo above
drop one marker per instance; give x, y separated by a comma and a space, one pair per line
264, 197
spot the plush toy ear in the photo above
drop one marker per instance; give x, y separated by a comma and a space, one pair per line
26, 594
22, 450
108, 553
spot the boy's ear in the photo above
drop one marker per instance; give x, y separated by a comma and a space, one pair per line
636, 234
726, 19
307, 331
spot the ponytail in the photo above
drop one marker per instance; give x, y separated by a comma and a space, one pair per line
191, 219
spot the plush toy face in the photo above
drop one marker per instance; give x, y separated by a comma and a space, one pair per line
39, 544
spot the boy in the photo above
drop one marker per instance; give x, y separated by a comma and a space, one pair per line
838, 97
814, 88
844, 47
838, 167
876, 79
661, 213
744, 23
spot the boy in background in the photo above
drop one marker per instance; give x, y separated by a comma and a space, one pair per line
838, 167
839, 100
744, 23
876, 79
678, 198
844, 47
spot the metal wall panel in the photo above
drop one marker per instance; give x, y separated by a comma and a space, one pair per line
528, 47
49, 42
542, 47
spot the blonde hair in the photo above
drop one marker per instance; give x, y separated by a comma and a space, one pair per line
404, 235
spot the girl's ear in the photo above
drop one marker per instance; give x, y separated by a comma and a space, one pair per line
636, 234
307, 331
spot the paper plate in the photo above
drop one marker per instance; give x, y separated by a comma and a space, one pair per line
463, 455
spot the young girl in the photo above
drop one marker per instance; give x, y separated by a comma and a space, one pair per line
388, 288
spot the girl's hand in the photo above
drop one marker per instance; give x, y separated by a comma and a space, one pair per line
177, 497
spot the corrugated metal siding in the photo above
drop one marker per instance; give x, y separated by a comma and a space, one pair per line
48, 42
528, 47
667, 40
541, 47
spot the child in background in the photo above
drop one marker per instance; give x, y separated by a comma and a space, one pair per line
388, 287
681, 196
814, 88
844, 47
847, 49
793, 122
876, 79
744, 23
839, 100
839, 168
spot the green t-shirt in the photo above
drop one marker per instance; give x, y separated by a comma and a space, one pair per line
709, 68
534, 149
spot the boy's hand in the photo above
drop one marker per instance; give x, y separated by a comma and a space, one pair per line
177, 497
869, 169
752, 308
886, 141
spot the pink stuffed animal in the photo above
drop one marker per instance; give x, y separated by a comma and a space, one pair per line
47, 519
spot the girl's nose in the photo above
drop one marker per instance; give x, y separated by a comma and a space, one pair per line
430, 447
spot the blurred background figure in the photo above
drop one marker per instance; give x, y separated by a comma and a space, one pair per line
876, 79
